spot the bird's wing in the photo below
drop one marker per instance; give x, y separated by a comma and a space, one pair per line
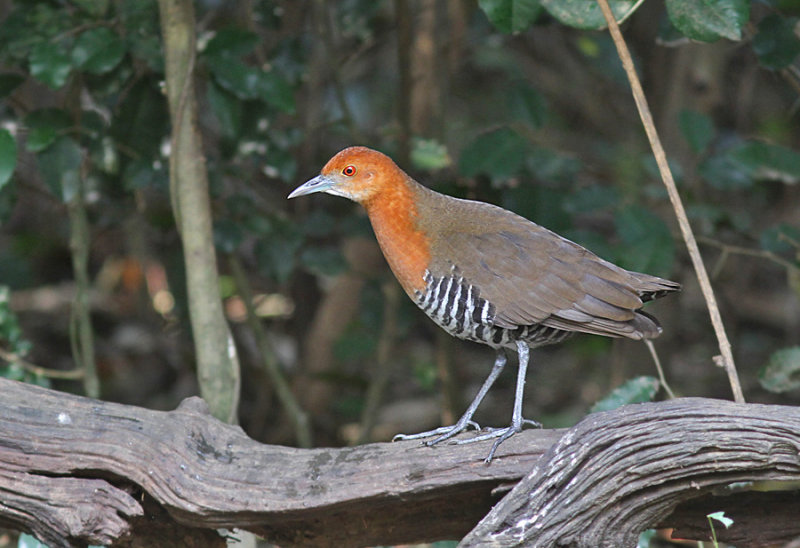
532, 275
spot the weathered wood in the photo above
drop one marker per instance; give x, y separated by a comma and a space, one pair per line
617, 473
63, 508
77, 471
208, 474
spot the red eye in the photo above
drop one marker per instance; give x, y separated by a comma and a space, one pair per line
349, 171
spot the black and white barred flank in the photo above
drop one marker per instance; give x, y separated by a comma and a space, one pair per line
457, 307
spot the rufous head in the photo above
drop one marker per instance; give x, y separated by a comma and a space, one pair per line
357, 173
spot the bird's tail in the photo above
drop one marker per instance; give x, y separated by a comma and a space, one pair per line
653, 287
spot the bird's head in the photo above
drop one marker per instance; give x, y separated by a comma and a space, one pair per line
357, 173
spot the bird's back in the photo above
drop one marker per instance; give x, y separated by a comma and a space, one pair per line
496, 277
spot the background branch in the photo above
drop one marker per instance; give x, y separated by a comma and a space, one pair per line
217, 360
674, 197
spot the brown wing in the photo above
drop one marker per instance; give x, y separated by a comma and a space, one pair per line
532, 275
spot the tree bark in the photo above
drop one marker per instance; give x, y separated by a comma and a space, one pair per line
76, 471
617, 473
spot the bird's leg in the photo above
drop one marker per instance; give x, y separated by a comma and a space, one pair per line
447, 432
517, 422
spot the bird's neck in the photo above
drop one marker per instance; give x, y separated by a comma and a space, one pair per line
393, 214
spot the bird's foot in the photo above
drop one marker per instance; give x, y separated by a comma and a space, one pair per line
493, 430
443, 432
502, 434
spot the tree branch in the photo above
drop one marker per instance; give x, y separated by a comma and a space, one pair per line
160, 477
726, 355
620, 472
217, 360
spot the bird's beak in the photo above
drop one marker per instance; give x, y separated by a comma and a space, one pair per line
320, 183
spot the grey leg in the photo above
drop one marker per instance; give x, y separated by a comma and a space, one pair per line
517, 422
447, 432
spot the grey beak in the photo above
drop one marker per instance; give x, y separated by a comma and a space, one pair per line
320, 183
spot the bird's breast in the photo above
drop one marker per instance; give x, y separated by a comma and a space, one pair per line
405, 246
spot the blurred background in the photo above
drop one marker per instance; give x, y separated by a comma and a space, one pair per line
528, 111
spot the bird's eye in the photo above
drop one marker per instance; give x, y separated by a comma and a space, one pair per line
349, 171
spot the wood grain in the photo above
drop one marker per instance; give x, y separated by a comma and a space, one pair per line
75, 471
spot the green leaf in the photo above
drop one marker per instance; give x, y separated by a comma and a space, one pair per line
636, 390
648, 244
498, 154
29, 541
586, 14
723, 172
138, 174
511, 15
697, 129
647, 538
50, 64
768, 162
776, 43
782, 372
426, 375
227, 109
9, 82
429, 154
275, 90
722, 518
540, 203
232, 42
8, 156
44, 127
247, 82
141, 119
709, 20
275, 251
60, 168
591, 198
98, 50
551, 165
528, 105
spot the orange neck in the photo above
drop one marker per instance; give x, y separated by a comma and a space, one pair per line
406, 248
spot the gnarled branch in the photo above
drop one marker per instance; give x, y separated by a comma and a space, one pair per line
620, 472
75, 471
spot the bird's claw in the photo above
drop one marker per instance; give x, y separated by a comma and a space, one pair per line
502, 434
494, 429
443, 433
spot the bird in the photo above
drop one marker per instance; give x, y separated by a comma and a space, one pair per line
487, 275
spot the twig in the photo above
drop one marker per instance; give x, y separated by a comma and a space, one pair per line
37, 370
81, 332
651, 347
383, 361
270, 360
727, 249
683, 221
